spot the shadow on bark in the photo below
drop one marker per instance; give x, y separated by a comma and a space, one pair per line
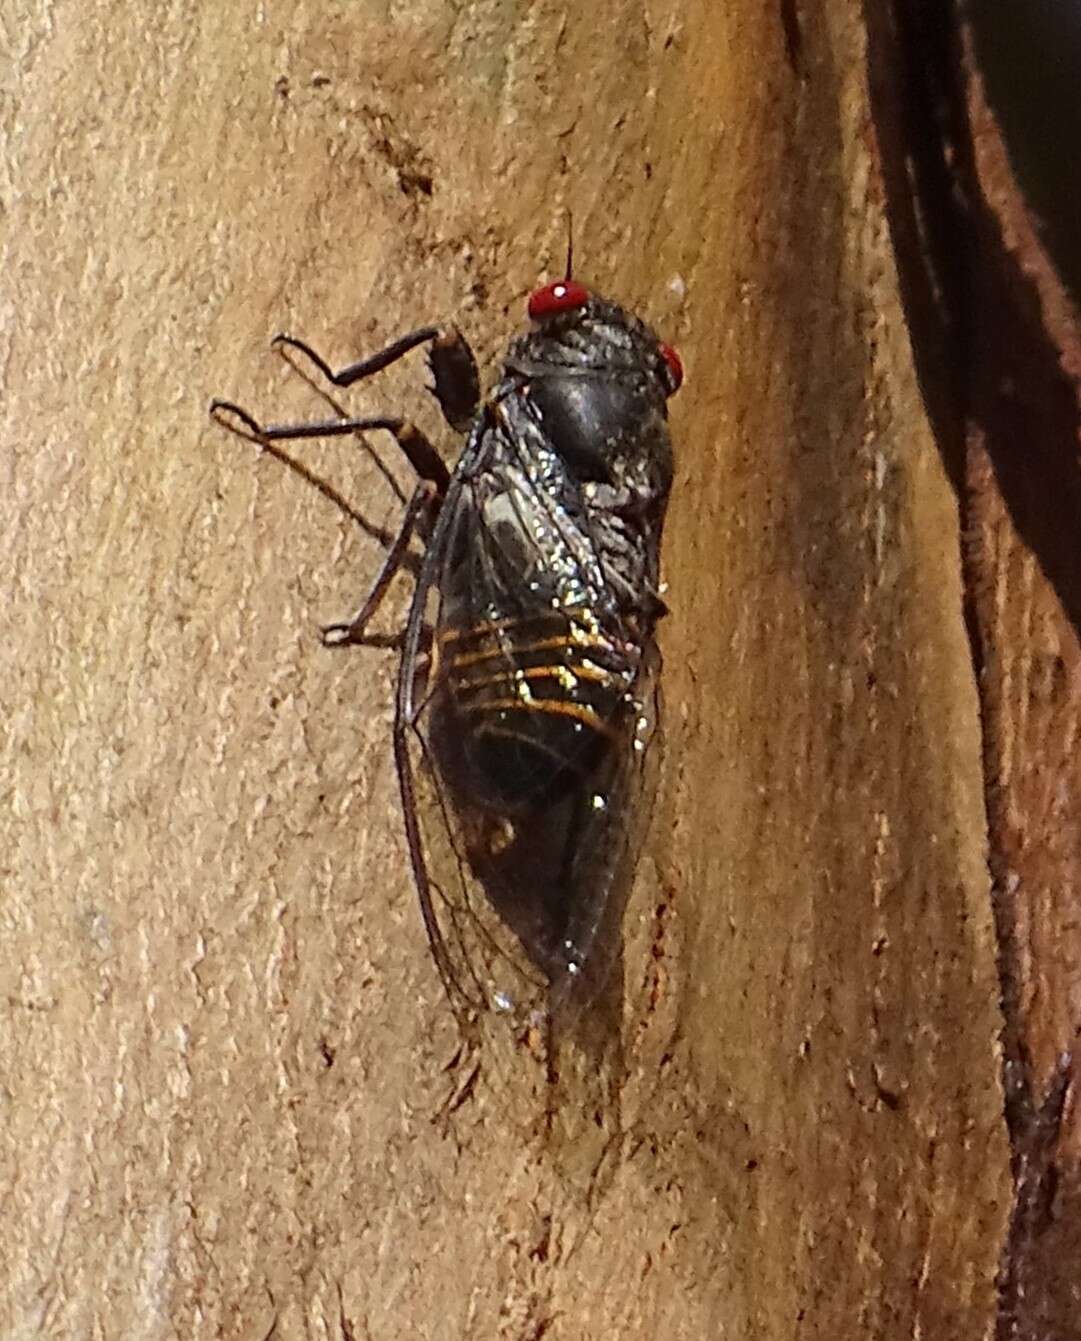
999, 401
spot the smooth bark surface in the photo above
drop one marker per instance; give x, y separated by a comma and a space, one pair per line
233, 1096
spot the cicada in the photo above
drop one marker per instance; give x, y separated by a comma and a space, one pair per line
526, 687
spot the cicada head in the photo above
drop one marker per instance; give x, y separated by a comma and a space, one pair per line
597, 333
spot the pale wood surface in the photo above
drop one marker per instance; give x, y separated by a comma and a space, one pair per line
224, 1042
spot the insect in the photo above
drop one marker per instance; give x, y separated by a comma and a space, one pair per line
526, 680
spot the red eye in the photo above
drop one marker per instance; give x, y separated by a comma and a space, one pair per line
675, 367
562, 296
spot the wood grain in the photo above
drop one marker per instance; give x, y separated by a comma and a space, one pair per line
227, 1068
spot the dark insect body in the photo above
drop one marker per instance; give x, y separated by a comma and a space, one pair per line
525, 690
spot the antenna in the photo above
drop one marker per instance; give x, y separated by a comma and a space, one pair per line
570, 245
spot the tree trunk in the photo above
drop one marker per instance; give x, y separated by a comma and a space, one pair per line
235, 1100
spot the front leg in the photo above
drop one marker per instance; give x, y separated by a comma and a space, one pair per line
457, 382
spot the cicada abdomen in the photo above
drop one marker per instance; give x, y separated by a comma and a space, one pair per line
537, 702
